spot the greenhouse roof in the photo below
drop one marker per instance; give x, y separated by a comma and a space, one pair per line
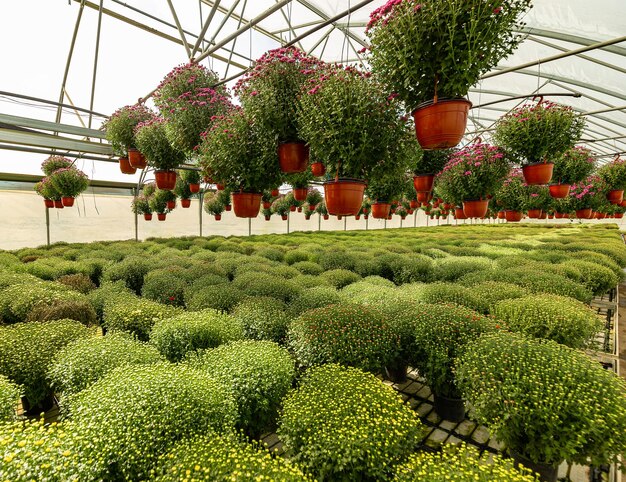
97, 56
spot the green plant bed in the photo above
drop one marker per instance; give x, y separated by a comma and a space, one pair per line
451, 293
135, 315
260, 284
9, 394
165, 287
263, 318
342, 424
221, 297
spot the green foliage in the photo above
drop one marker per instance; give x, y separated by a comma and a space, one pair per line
54, 163
131, 270
359, 435
69, 181
213, 204
79, 310
165, 287
573, 166
9, 394
336, 259
598, 279
221, 297
308, 267
263, 318
86, 360
340, 277
120, 126
261, 284
490, 292
348, 334
117, 415
453, 267
506, 377
152, 141
316, 297
135, 315
107, 292
78, 282
26, 351
260, 374
551, 317
452, 293
614, 174
431, 162
175, 337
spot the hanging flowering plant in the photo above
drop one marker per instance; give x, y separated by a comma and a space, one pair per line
240, 153
141, 205
281, 206
539, 132
213, 205
271, 91
69, 181
120, 127
45, 188
350, 123
153, 142
432, 161
589, 193
188, 101
573, 166
53, 163
472, 173
614, 174
158, 201
421, 48
512, 194
537, 197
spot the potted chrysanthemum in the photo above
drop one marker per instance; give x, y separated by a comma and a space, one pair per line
511, 196
243, 155
45, 188
188, 101
152, 141
214, 205
55, 162
281, 207
141, 206
536, 134
300, 183
313, 198
573, 166
350, 123
120, 132
183, 191
537, 200
614, 176
321, 210
427, 165
69, 182
586, 196
158, 203
271, 92
432, 52
473, 174
192, 177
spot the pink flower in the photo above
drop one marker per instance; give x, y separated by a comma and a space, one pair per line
468, 173
477, 164
497, 10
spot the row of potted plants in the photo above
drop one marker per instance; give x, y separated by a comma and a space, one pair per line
62, 184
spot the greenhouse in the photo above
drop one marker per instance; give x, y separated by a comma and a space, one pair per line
309, 240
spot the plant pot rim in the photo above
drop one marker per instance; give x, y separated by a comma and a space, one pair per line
474, 200
381, 202
132, 149
234, 193
294, 141
422, 175
518, 455
443, 100
163, 170
536, 163
349, 180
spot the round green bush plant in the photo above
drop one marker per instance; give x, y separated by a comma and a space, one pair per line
175, 337
545, 401
340, 277
165, 287
340, 433
9, 394
263, 318
135, 315
349, 334
551, 317
316, 297
221, 297
80, 310
136, 413
260, 374
261, 284
490, 292
452, 293
86, 360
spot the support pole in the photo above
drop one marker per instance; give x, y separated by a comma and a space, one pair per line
319, 221
385, 224
345, 223
180, 29
201, 199
367, 222
48, 227
249, 226
95, 63
205, 27
288, 219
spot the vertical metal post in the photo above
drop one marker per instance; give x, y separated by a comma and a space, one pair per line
345, 223
249, 226
385, 224
288, 219
427, 218
95, 63
367, 222
69, 61
400, 221
48, 226
319, 221
136, 220
415, 218
201, 202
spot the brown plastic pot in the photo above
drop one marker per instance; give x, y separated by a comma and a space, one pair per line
171, 205
293, 157
228, 208
165, 180
424, 197
267, 218
423, 183
459, 214
534, 213
125, 166
185, 203
58, 204
161, 216
559, 191
558, 215
584, 213
275, 192
284, 217
292, 209
300, 193
451, 409
543, 215
441, 124
136, 159
538, 173
326, 217
501, 215
147, 216
344, 196
194, 188
616, 196
476, 208
414, 204
247, 204
49, 203
381, 210
318, 169
220, 187
513, 216
267, 204
218, 217
547, 472
68, 201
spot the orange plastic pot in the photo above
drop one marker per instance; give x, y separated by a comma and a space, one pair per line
623, 204
559, 191
293, 157
136, 159
534, 213
185, 203
513, 216
318, 169
267, 218
147, 216
414, 204
194, 188
538, 173
423, 183
275, 192
49, 203
165, 180
68, 201
584, 213
543, 215
459, 214
326, 216
558, 215
218, 217
220, 187
381, 210
357, 217
500, 214
171, 205
292, 209
424, 197
284, 217
125, 166
475, 208
312, 207
299, 209
616, 196
58, 204
619, 215
228, 208
161, 216
344, 196
247, 204
441, 124
300, 193
267, 204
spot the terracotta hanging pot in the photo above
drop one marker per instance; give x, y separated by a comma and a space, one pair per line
381, 210
357, 217
185, 203
161, 216
274, 193
424, 197
299, 209
284, 217
218, 217
559, 191
458, 213
49, 203
623, 204
500, 214
513, 216
194, 188
247, 204
326, 216
318, 169
136, 158
538, 173
616, 196
558, 215
220, 187
171, 205
476, 208
267, 218
618, 215
58, 204
68, 201
543, 215
147, 216
566, 216
293, 157
423, 182
267, 205
292, 209
550, 216
344, 196
366, 211
440, 124
534, 213
339, 217
409, 211
584, 213
414, 204
312, 207
366, 216
165, 180
228, 208
300, 193
125, 166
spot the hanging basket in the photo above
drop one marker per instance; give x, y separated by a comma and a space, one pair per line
136, 158
423, 182
513, 216
194, 188
300, 193
161, 216
459, 214
58, 204
171, 205
125, 166
292, 209
165, 180
543, 215
293, 157
185, 203
475, 208
326, 217
440, 124
49, 203
559, 191
534, 213
538, 173
381, 210
147, 216
228, 208
584, 213
318, 169
247, 204
68, 201
284, 217
424, 197
267, 204
415, 204
344, 196
616, 196
218, 217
